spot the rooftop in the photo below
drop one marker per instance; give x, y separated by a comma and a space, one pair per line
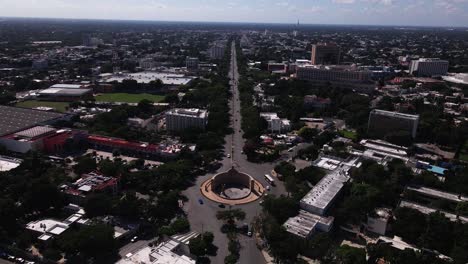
192, 112
34, 132
304, 224
67, 86
428, 210
329, 186
439, 194
164, 253
395, 114
13, 119
64, 91
147, 77
8, 163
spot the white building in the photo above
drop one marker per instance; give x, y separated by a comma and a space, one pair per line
320, 198
180, 118
276, 124
378, 221
147, 76
429, 67
9, 163
312, 216
165, 253
305, 224
461, 78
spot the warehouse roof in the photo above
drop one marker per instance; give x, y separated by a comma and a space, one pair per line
64, 92
13, 119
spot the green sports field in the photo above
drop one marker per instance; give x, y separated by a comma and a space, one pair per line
128, 98
58, 106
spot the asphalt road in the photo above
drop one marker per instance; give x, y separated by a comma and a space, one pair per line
202, 217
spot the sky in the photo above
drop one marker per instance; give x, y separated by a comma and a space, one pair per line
355, 12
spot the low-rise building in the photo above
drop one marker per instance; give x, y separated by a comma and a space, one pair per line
42, 138
164, 253
9, 163
47, 229
276, 124
306, 224
90, 183
315, 102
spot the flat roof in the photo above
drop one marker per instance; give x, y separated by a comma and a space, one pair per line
147, 77
190, 112
428, 210
67, 86
164, 253
329, 186
13, 119
64, 91
8, 163
304, 224
326, 190
36, 131
439, 194
395, 114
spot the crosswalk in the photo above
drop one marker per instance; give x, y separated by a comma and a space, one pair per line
185, 238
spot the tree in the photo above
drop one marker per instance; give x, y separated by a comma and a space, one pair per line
230, 216
462, 208
85, 164
202, 245
280, 208
98, 204
94, 242
410, 224
438, 233
308, 133
350, 255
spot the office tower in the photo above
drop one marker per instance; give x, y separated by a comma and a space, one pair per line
429, 67
325, 54
382, 123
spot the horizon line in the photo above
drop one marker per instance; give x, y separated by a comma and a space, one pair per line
232, 22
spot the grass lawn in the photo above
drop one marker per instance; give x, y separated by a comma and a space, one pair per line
348, 134
58, 106
128, 98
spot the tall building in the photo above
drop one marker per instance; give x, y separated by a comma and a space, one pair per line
217, 51
383, 122
429, 67
192, 63
179, 119
346, 77
325, 54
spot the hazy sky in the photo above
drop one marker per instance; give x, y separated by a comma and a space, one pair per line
382, 12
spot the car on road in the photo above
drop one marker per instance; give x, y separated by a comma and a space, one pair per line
249, 233
134, 239
291, 149
228, 155
200, 201
221, 206
268, 188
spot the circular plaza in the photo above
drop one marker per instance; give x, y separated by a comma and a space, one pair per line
232, 188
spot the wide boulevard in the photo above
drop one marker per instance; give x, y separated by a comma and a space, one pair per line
202, 217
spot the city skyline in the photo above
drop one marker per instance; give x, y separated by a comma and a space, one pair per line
452, 13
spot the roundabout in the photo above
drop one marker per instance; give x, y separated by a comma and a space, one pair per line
232, 188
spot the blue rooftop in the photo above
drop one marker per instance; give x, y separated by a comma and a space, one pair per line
437, 170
